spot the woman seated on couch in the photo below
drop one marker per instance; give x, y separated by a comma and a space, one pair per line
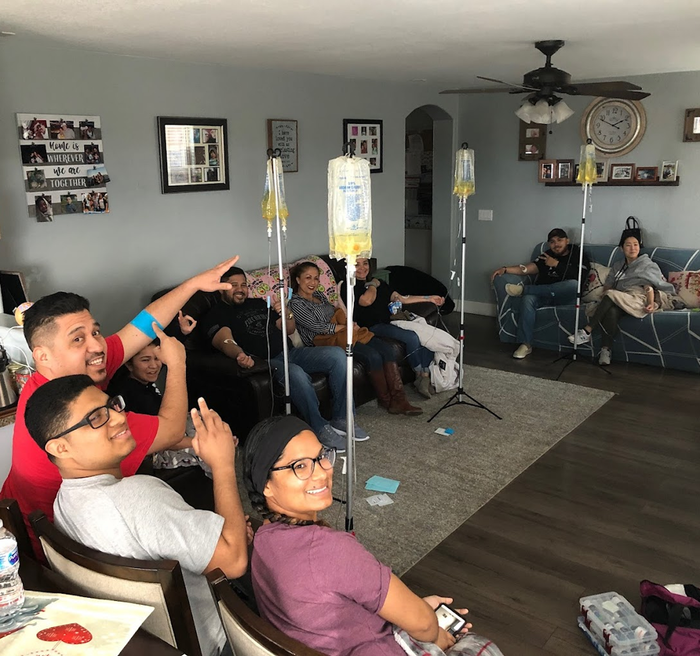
316, 317
372, 298
327, 591
632, 287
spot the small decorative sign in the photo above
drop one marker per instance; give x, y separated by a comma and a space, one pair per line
282, 133
62, 160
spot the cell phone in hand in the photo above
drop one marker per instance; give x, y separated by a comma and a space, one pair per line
449, 620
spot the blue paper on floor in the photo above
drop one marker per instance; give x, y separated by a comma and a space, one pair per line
381, 484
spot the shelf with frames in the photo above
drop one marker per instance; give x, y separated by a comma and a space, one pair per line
619, 183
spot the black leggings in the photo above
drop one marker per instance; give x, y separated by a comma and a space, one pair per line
607, 316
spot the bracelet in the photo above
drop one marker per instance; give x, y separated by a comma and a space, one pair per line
523, 268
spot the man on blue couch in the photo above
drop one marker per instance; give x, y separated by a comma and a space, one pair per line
557, 277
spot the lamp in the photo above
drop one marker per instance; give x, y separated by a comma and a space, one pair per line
550, 109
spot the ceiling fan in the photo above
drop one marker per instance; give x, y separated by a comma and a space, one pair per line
545, 82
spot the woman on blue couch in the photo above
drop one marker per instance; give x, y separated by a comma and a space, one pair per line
630, 288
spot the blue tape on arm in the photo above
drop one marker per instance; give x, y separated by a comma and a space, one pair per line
143, 321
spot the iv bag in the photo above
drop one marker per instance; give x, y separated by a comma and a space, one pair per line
269, 206
465, 184
349, 208
587, 173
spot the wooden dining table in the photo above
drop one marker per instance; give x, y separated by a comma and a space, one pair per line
38, 578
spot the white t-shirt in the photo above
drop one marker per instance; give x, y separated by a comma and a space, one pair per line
143, 517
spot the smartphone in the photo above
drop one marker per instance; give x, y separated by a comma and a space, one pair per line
449, 620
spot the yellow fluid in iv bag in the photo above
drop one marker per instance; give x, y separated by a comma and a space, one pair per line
269, 201
352, 244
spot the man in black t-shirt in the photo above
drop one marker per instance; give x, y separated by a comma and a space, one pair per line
556, 284
241, 327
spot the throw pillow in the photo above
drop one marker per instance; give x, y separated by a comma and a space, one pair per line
596, 279
687, 284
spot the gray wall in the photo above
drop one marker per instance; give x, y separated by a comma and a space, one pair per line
525, 210
150, 240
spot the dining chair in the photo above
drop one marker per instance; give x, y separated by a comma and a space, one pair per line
248, 633
12, 520
155, 583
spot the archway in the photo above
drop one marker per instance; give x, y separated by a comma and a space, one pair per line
428, 200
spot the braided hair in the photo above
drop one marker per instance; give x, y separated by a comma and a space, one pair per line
255, 438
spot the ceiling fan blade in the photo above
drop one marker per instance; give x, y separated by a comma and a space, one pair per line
594, 88
510, 84
487, 90
625, 94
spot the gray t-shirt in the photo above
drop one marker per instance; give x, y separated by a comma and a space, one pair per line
143, 517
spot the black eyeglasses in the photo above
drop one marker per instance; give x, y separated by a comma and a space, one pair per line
304, 467
97, 417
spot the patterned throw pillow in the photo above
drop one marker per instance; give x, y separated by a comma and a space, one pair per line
687, 284
261, 281
596, 280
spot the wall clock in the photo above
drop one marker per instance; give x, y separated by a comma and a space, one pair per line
615, 126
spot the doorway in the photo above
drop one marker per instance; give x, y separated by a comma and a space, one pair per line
427, 218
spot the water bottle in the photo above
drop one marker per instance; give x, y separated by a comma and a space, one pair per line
11, 588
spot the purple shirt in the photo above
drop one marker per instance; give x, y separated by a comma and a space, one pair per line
323, 588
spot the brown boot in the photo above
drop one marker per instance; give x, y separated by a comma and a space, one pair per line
378, 381
399, 403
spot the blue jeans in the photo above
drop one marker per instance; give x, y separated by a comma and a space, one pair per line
329, 360
418, 356
374, 354
536, 296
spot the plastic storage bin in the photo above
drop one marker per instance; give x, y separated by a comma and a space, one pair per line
615, 627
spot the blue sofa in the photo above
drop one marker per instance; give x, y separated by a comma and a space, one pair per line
664, 339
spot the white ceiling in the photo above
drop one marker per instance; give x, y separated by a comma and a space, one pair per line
445, 42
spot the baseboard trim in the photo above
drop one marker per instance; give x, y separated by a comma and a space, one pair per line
475, 307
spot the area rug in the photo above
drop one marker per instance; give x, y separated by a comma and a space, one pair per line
444, 480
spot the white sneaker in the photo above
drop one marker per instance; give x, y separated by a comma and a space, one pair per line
580, 337
522, 351
604, 357
514, 289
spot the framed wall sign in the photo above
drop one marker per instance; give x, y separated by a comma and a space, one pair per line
691, 126
193, 154
282, 133
367, 137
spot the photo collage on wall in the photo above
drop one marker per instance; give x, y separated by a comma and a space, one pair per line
194, 155
365, 137
63, 165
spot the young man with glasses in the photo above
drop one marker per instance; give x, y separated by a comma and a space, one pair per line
556, 282
86, 435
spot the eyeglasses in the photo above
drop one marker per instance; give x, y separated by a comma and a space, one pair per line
304, 467
97, 417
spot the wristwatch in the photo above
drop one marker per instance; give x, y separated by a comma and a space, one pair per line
290, 315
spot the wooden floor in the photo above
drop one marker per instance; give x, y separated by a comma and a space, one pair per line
615, 502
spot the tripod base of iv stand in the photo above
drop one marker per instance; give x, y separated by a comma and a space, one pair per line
456, 399
572, 357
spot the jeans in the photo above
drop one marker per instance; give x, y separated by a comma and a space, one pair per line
607, 316
329, 360
374, 354
535, 296
418, 356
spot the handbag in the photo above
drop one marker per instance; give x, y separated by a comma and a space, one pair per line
632, 229
675, 616
362, 335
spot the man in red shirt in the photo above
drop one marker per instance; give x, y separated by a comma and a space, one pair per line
65, 339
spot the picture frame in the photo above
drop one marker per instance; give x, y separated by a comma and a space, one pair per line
193, 154
669, 171
283, 134
620, 172
532, 142
565, 170
646, 174
367, 135
601, 168
691, 125
547, 170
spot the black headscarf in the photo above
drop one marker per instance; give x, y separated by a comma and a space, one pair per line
271, 447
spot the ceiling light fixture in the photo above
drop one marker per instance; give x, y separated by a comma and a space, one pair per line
550, 109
